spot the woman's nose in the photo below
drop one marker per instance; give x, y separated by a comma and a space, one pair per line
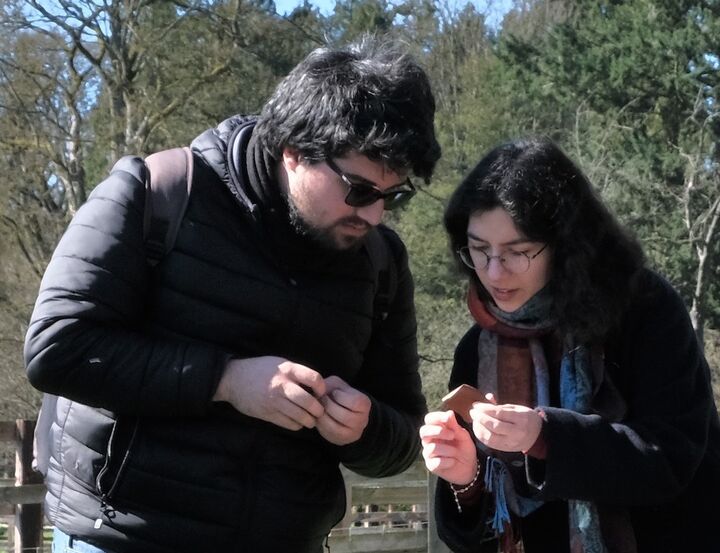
495, 268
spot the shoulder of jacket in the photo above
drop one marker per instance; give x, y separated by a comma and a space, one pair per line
393, 241
213, 144
468, 342
133, 166
653, 292
126, 179
465, 359
655, 305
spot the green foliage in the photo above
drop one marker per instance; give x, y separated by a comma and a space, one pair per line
439, 288
353, 18
712, 351
628, 88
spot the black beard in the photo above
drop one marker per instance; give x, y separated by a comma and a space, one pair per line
322, 237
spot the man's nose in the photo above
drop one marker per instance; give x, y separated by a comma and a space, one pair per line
372, 214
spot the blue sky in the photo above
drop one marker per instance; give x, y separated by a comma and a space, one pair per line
495, 8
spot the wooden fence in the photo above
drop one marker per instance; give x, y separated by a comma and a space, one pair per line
392, 514
22, 501
385, 515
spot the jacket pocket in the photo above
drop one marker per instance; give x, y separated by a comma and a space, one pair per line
79, 440
117, 456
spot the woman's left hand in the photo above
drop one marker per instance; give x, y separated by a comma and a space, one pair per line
506, 427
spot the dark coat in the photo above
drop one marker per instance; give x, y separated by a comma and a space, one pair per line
660, 465
138, 353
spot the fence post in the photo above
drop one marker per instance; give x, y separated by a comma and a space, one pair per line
28, 517
434, 543
349, 509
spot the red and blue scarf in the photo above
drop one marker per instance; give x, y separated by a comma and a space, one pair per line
513, 366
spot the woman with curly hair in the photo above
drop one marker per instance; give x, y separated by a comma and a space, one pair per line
594, 428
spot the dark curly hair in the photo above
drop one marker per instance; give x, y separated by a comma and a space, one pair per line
595, 261
367, 97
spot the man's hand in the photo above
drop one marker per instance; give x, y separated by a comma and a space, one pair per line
273, 389
347, 412
448, 449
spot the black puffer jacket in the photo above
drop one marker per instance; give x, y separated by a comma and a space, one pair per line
139, 444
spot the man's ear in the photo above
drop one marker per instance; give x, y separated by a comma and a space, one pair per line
291, 159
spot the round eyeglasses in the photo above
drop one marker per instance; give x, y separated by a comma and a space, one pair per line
512, 261
364, 193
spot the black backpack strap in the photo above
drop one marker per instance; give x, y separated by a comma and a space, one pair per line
167, 192
385, 270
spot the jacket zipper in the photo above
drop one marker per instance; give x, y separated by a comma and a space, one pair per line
106, 510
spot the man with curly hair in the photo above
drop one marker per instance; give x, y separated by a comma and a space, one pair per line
206, 404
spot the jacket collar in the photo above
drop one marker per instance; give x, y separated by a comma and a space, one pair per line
248, 171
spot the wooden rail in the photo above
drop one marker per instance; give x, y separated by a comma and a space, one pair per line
386, 515
24, 497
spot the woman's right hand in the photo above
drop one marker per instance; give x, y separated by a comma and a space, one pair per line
448, 449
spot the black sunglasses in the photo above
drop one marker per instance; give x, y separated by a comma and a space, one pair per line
361, 194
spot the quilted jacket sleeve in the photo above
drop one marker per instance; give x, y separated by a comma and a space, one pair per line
390, 443
86, 341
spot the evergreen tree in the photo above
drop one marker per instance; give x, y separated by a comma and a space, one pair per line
630, 90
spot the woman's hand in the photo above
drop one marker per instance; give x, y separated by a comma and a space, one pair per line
505, 427
448, 449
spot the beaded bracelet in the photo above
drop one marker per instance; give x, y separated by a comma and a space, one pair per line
467, 487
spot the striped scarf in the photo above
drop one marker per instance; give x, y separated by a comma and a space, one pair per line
512, 365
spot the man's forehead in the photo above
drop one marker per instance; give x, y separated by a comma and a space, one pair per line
359, 165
